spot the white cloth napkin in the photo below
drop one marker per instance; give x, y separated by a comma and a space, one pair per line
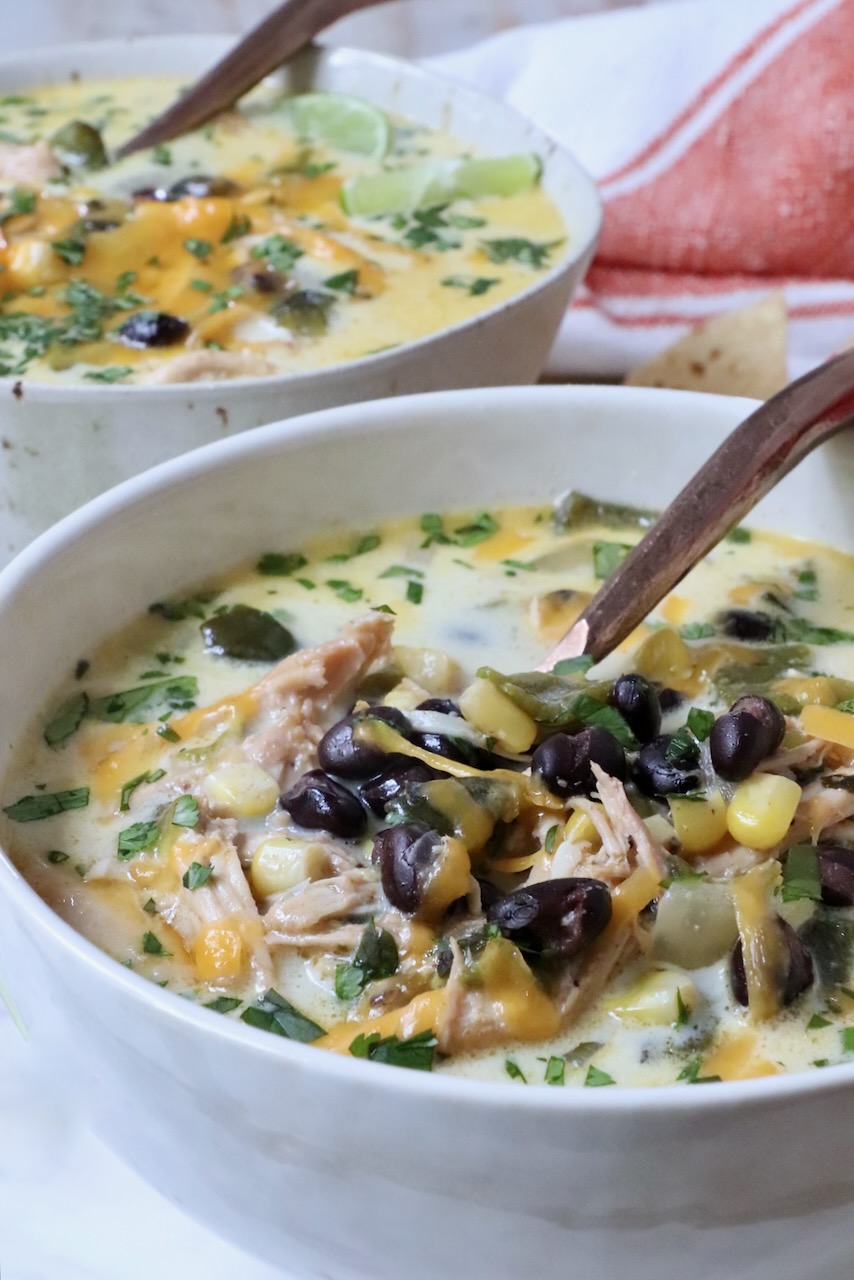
721, 133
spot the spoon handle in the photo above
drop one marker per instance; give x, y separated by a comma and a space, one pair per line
747, 465
288, 29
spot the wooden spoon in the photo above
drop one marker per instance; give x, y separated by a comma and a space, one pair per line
747, 465
288, 29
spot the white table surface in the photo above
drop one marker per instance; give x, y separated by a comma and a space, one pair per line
69, 1210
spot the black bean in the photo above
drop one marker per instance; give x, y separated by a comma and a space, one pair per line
746, 624
670, 699
405, 854
637, 702
658, 776
149, 193
836, 869
340, 752
555, 918
399, 773
247, 635
152, 329
261, 277
798, 973
738, 743
441, 745
200, 185
445, 706
564, 760
769, 716
320, 803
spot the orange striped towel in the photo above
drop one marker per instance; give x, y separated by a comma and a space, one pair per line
721, 133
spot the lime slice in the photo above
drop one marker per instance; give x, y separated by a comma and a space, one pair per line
422, 185
497, 175
398, 190
339, 120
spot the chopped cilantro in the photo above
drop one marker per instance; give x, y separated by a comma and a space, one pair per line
66, 721
196, 875
474, 286
696, 630
201, 286
514, 1072
375, 957
801, 876
690, 1074
595, 1078
551, 839
168, 733
517, 249
185, 812
344, 589
344, 282
200, 249
224, 1004
276, 1014
112, 373
161, 154
555, 1072
573, 666
700, 723
416, 1053
150, 907
683, 1013
152, 946
239, 226
20, 201
153, 775
817, 1023
71, 251
433, 526
277, 564
414, 591
136, 838
739, 535
280, 253
468, 535
47, 805
401, 571
846, 1035
608, 556
57, 857
145, 702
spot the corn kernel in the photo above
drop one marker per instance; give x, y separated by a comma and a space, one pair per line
699, 824
242, 790
434, 669
761, 810
579, 827
660, 998
491, 711
281, 862
664, 656
829, 724
218, 953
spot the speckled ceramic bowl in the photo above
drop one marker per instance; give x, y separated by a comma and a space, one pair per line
338, 1169
63, 445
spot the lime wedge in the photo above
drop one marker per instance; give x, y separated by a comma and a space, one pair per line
435, 182
398, 190
339, 120
497, 175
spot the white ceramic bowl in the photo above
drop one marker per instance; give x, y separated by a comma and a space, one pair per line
347, 1170
63, 445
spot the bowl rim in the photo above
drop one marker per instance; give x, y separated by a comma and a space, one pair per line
547, 147
189, 468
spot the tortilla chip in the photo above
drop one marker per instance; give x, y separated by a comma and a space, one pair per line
741, 353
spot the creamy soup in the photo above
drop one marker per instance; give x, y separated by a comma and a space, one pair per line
289, 234
312, 795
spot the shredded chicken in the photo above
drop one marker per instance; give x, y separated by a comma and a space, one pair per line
820, 807
309, 904
345, 938
306, 693
582, 984
31, 165
805, 755
196, 366
225, 897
